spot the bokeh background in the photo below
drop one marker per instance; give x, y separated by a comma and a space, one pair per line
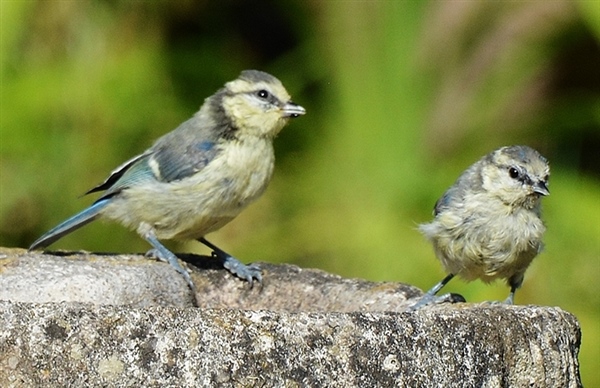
401, 97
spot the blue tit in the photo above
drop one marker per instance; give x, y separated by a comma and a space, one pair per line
487, 225
198, 177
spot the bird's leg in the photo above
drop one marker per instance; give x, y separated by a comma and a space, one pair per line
511, 296
233, 265
435, 289
162, 253
430, 298
515, 281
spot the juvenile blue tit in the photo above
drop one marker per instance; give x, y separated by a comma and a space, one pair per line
200, 176
487, 225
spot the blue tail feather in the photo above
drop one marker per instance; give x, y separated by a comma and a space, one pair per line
73, 223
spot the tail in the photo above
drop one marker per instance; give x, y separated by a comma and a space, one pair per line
73, 223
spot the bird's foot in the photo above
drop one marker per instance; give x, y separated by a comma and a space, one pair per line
511, 299
246, 272
233, 265
163, 254
431, 299
507, 302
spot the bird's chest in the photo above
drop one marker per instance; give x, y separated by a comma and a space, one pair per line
244, 171
508, 230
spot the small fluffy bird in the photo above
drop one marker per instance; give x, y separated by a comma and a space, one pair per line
198, 177
487, 225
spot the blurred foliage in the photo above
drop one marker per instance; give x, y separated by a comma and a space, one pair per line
401, 97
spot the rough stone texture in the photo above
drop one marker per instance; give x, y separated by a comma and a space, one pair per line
302, 328
90, 278
137, 281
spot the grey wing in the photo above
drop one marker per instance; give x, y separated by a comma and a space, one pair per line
446, 199
178, 162
468, 181
136, 173
175, 156
185, 151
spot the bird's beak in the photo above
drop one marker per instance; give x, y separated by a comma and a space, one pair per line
291, 109
541, 188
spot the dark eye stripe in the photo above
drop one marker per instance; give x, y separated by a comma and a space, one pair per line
268, 97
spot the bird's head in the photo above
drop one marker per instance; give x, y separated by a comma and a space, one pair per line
518, 175
257, 104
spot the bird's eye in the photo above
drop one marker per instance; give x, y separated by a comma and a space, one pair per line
263, 94
513, 172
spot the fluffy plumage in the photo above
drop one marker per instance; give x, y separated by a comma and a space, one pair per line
487, 225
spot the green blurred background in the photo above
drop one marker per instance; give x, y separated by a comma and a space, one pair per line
401, 97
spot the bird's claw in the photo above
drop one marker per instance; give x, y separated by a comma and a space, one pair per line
170, 258
246, 272
154, 254
429, 299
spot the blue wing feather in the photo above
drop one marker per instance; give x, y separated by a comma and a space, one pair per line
73, 223
116, 174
